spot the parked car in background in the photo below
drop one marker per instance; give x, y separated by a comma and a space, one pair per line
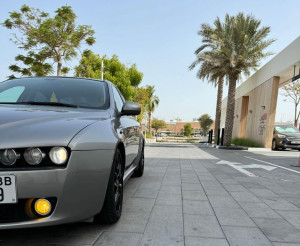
286, 136
67, 146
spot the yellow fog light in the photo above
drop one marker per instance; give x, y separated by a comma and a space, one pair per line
42, 207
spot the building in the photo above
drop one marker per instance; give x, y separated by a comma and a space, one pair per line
177, 127
256, 98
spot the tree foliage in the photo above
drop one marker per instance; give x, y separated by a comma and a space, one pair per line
187, 129
158, 124
46, 39
142, 97
125, 78
234, 47
292, 92
205, 123
151, 104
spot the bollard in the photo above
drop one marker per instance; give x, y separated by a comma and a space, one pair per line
298, 163
218, 137
222, 138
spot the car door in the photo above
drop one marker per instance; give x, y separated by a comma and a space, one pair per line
128, 127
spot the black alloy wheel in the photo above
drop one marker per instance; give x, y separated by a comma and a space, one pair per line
112, 207
140, 168
274, 145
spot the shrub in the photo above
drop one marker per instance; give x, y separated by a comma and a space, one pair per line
245, 142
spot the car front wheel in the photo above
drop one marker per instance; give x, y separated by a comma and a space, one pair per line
274, 145
112, 207
140, 168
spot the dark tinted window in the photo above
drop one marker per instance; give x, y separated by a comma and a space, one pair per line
81, 92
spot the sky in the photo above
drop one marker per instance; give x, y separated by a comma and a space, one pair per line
160, 37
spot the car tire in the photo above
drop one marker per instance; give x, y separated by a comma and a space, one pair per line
140, 168
112, 207
274, 145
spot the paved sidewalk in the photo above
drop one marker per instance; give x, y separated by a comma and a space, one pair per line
185, 198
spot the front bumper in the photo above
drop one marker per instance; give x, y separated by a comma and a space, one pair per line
79, 189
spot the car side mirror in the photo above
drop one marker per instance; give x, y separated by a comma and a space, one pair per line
131, 108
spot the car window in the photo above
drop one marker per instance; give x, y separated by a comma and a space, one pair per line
118, 99
286, 129
11, 94
80, 92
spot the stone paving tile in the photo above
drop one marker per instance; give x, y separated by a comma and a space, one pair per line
170, 189
193, 195
199, 241
165, 227
291, 216
241, 236
278, 230
223, 202
133, 204
192, 187
190, 180
244, 196
202, 226
286, 244
118, 239
263, 192
216, 191
279, 204
233, 217
230, 187
145, 193
258, 210
169, 199
197, 207
131, 222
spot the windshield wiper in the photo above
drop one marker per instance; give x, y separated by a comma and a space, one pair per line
59, 104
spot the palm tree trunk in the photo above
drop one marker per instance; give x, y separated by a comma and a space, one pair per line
149, 122
230, 110
218, 107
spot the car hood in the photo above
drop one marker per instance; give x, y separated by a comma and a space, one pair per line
292, 135
31, 126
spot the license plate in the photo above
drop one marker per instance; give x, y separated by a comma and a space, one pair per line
8, 192
295, 142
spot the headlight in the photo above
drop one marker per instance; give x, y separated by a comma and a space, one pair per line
58, 155
281, 136
33, 156
8, 157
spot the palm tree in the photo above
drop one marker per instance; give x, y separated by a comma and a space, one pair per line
151, 104
215, 75
237, 46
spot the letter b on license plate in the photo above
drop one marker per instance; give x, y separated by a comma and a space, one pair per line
8, 192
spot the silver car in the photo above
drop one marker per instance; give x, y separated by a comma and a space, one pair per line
67, 146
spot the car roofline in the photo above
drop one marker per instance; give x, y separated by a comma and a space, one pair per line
60, 77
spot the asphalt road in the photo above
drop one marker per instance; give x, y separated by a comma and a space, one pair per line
194, 195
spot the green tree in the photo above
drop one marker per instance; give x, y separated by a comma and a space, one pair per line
205, 123
158, 124
151, 105
44, 38
187, 129
125, 78
292, 92
142, 98
214, 75
237, 46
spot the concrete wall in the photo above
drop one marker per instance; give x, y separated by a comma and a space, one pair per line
257, 122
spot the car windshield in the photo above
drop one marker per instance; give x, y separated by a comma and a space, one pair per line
55, 91
286, 129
